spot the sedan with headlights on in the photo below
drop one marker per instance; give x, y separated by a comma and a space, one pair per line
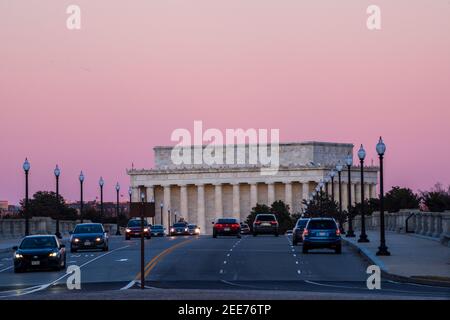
39, 252
133, 229
88, 236
194, 230
180, 228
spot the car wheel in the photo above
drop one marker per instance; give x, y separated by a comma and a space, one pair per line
148, 237
305, 249
18, 270
127, 238
276, 234
73, 250
239, 236
338, 250
294, 242
214, 235
254, 234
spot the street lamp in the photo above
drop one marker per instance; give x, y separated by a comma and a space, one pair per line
101, 183
26, 168
168, 216
327, 181
339, 168
363, 235
161, 205
57, 173
142, 242
382, 249
332, 174
81, 178
130, 192
349, 162
117, 208
175, 221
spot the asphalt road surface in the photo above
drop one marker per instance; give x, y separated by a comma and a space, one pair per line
188, 267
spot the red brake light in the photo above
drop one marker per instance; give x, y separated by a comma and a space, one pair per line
338, 232
273, 222
235, 225
305, 232
257, 222
218, 225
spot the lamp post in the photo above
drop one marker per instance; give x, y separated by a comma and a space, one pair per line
142, 242
363, 235
57, 173
26, 168
382, 249
349, 162
130, 192
161, 205
101, 183
175, 221
339, 168
117, 208
327, 180
81, 178
168, 216
332, 174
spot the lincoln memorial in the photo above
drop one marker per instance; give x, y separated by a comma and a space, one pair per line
200, 193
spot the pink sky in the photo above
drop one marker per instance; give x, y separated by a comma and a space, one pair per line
102, 97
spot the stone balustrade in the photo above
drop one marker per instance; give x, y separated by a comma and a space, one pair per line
431, 224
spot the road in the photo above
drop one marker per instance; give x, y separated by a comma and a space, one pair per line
200, 264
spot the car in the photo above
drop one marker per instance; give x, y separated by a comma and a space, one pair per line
322, 233
157, 230
179, 228
39, 252
297, 232
193, 229
133, 229
265, 223
88, 236
245, 229
226, 227
288, 232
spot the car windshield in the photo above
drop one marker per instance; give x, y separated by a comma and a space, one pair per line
226, 221
158, 226
136, 223
302, 223
89, 228
266, 217
321, 224
179, 225
38, 243
192, 226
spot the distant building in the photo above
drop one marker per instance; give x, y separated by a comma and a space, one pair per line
109, 208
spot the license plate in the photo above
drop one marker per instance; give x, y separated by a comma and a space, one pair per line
322, 234
226, 229
87, 243
266, 224
35, 263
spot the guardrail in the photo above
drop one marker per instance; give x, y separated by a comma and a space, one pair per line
430, 224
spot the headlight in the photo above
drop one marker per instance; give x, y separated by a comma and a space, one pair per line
18, 256
76, 240
186, 229
197, 230
53, 254
98, 239
145, 229
172, 229
128, 230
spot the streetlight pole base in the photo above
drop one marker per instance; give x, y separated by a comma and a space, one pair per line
383, 251
363, 238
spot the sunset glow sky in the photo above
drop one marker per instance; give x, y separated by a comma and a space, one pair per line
100, 98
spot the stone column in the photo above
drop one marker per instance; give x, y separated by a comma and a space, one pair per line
236, 201
270, 193
437, 226
201, 207
184, 202
253, 194
367, 191
373, 190
445, 225
288, 194
305, 192
150, 194
358, 192
135, 197
166, 208
218, 200
431, 224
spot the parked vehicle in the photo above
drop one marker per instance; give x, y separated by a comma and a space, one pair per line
193, 229
134, 228
157, 230
226, 227
179, 228
265, 224
297, 232
39, 252
322, 233
245, 228
88, 236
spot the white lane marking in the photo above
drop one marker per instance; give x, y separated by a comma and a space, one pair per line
296, 262
231, 249
228, 254
129, 285
6, 259
294, 255
6, 269
239, 285
122, 260
221, 271
45, 286
299, 271
224, 262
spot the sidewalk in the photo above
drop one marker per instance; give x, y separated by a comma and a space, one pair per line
413, 258
6, 245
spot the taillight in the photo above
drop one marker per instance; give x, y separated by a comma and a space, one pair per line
235, 225
305, 232
218, 225
273, 222
338, 232
257, 222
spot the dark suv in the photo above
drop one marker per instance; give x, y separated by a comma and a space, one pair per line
265, 224
297, 233
322, 233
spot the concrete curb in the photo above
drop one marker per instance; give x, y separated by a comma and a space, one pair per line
373, 259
